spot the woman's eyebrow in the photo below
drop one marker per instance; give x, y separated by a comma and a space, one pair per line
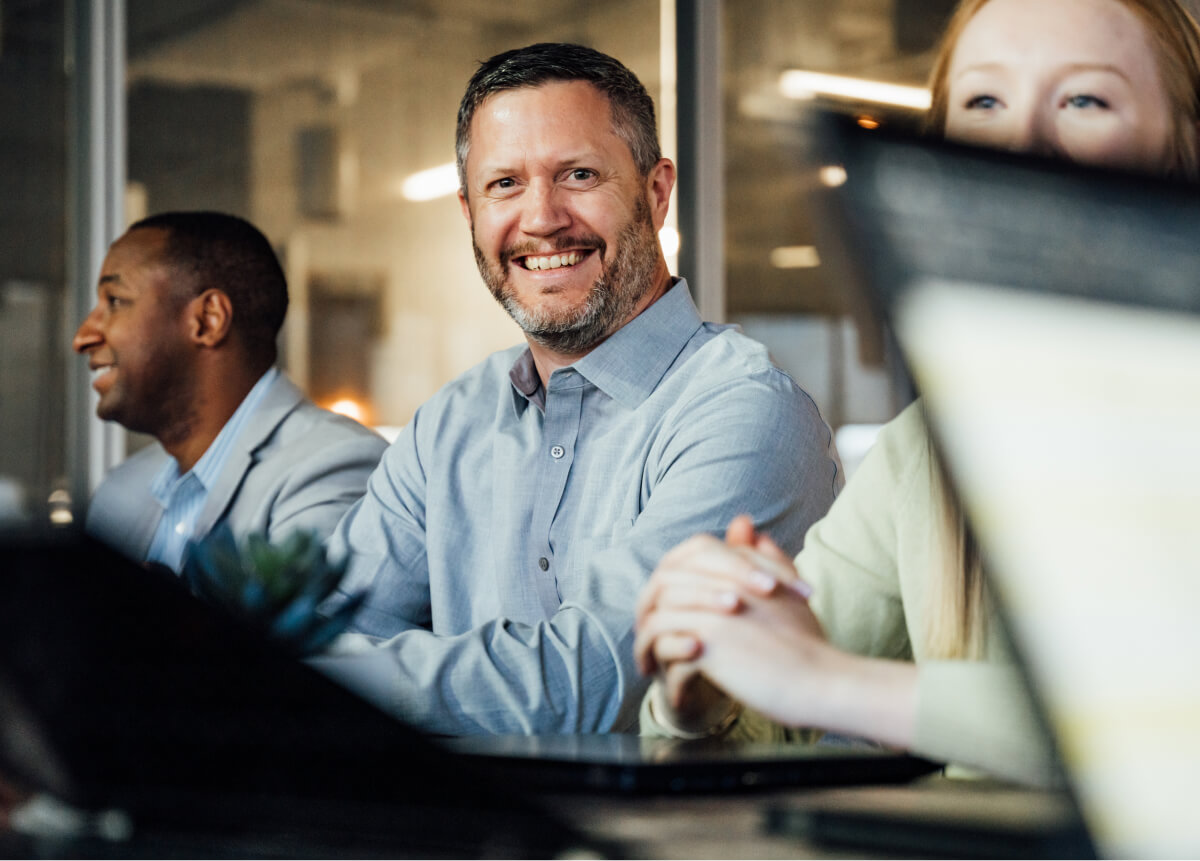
1069, 68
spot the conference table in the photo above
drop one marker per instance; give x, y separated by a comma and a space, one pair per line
933, 816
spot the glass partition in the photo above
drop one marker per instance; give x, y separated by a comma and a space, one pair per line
34, 329
782, 58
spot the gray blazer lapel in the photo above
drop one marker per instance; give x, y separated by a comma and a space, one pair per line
124, 513
281, 398
144, 522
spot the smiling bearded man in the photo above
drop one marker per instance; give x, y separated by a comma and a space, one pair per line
509, 527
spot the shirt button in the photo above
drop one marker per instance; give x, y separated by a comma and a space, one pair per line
180, 529
544, 564
557, 452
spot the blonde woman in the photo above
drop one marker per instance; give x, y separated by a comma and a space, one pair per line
881, 628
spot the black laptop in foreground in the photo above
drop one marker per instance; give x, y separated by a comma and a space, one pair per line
121, 691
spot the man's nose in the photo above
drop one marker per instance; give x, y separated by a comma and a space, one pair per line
88, 334
545, 210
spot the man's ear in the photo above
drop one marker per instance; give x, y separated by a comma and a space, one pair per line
466, 207
659, 184
210, 318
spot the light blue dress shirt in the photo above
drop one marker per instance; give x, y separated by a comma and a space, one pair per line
182, 497
507, 531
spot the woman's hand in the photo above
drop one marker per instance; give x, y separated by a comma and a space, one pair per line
764, 648
720, 620
703, 574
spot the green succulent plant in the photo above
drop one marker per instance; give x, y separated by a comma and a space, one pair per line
276, 589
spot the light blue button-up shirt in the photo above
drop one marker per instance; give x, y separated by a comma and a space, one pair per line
507, 531
182, 497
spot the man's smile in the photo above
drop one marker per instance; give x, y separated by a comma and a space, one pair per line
552, 261
101, 374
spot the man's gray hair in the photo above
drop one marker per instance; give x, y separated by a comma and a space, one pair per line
631, 106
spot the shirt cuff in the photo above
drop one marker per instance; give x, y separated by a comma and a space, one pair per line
653, 718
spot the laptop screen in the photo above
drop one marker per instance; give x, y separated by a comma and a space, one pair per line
1049, 316
1070, 430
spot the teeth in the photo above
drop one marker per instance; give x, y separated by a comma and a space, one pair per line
554, 261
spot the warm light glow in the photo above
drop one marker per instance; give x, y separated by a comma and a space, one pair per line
795, 257
350, 408
798, 84
430, 184
388, 432
668, 237
60, 508
832, 175
868, 122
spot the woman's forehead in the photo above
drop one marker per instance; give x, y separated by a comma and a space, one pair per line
1026, 33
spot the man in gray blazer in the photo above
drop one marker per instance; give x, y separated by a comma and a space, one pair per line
182, 343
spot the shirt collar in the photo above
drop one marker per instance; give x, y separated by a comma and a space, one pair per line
527, 385
629, 364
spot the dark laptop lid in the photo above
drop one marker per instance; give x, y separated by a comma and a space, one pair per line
118, 689
914, 209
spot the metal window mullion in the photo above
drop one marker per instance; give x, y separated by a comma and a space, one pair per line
96, 62
701, 153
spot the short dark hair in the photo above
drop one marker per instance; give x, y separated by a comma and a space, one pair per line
216, 250
534, 65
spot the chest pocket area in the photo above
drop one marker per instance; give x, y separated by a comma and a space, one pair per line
597, 564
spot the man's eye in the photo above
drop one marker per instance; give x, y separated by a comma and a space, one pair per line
503, 185
982, 102
582, 174
1083, 100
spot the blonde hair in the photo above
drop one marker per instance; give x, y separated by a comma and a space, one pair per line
1175, 36
957, 613
958, 605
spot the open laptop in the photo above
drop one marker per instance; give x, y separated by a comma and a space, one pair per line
1050, 317
120, 692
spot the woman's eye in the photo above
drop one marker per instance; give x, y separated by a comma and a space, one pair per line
982, 103
1084, 100
115, 302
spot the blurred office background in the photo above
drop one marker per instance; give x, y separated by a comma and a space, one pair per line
330, 124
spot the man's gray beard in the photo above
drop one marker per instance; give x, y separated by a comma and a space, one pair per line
610, 301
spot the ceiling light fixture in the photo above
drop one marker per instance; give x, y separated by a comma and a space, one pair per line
832, 175
431, 184
795, 257
799, 84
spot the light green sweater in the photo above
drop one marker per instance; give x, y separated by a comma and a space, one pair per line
870, 561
